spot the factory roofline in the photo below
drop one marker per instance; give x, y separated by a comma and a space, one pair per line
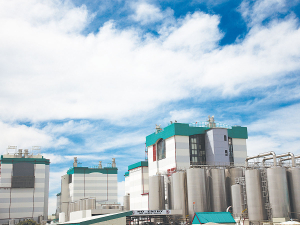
136, 165
41, 160
87, 170
185, 129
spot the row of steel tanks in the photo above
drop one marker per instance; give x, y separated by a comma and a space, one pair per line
272, 193
215, 189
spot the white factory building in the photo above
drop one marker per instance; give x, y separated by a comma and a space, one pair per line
24, 187
204, 167
87, 191
180, 146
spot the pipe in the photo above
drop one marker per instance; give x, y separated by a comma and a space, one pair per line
262, 155
278, 156
293, 158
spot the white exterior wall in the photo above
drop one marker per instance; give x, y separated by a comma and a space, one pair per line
24, 202
103, 187
182, 152
137, 185
215, 147
239, 151
162, 165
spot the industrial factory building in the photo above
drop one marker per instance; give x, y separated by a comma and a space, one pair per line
203, 167
88, 192
24, 186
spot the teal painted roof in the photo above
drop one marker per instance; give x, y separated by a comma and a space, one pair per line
138, 164
184, 129
86, 170
126, 174
98, 219
58, 194
28, 160
213, 217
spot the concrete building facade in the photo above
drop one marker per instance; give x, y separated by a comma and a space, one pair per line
85, 188
24, 187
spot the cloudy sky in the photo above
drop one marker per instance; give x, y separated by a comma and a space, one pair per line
91, 78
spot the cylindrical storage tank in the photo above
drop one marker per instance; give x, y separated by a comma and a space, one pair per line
126, 201
172, 193
294, 187
179, 192
230, 179
169, 193
196, 186
76, 206
90, 203
237, 200
82, 204
217, 190
62, 217
71, 206
156, 192
278, 192
255, 202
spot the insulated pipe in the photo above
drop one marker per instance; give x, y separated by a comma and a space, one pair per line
262, 155
278, 156
293, 158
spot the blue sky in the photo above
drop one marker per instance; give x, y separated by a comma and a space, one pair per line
92, 78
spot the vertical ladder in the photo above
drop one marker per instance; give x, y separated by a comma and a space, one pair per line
265, 192
242, 181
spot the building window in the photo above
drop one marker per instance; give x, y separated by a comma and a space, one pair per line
23, 175
154, 153
225, 138
161, 149
197, 150
231, 159
226, 152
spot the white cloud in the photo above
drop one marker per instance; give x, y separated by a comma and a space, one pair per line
146, 13
25, 137
277, 131
255, 13
51, 73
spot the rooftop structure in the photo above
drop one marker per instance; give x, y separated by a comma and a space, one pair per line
24, 185
84, 188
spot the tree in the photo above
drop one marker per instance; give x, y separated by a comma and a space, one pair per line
28, 222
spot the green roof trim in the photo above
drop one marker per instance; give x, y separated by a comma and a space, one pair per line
99, 219
126, 174
184, 129
28, 160
58, 194
212, 217
138, 164
86, 170
238, 132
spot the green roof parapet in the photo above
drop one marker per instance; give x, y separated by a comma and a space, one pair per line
184, 129
28, 160
138, 164
86, 170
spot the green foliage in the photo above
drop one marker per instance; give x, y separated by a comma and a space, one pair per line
28, 222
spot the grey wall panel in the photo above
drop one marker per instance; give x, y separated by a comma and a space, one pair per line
182, 145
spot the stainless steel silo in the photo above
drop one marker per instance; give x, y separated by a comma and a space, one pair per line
90, 203
294, 187
179, 192
278, 192
169, 186
217, 190
230, 179
156, 192
126, 201
237, 200
255, 202
76, 206
196, 188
